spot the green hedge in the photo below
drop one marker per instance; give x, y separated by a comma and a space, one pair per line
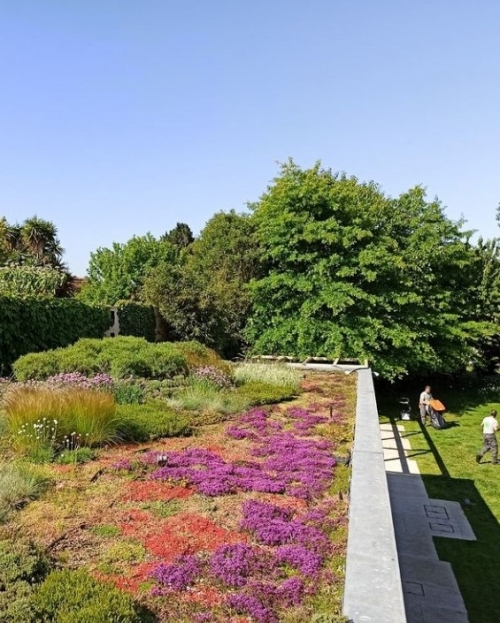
33, 325
136, 319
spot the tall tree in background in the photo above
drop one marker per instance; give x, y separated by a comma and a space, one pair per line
31, 260
205, 296
33, 242
118, 273
487, 300
180, 236
350, 272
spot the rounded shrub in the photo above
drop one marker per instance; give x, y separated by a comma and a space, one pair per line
76, 597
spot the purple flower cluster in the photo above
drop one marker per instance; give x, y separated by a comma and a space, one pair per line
234, 564
244, 603
296, 466
272, 525
213, 476
178, 575
212, 375
102, 382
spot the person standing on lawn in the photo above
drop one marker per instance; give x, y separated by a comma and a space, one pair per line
423, 404
490, 427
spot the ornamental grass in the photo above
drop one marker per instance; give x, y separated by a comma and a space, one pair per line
270, 373
48, 416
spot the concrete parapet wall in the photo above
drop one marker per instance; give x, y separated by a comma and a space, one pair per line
373, 588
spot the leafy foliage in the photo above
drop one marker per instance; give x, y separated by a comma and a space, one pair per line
203, 296
136, 319
350, 272
31, 281
118, 273
32, 325
180, 236
33, 242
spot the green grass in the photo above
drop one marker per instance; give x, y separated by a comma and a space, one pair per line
446, 459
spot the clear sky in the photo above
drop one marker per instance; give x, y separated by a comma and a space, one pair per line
119, 117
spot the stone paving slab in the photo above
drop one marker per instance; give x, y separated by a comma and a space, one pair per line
430, 589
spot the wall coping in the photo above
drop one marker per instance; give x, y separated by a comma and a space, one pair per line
373, 589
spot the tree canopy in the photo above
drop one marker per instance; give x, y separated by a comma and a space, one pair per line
204, 296
350, 272
118, 273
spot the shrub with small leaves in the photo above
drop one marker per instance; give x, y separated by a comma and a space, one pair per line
22, 566
76, 597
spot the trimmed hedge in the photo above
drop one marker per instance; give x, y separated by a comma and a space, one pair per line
34, 325
136, 319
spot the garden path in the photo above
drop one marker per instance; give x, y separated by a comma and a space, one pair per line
430, 589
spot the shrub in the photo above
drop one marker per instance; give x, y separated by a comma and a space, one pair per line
22, 566
34, 325
151, 421
49, 416
270, 373
121, 357
76, 597
198, 355
261, 393
136, 319
19, 484
76, 456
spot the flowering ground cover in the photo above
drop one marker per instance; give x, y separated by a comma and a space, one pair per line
244, 522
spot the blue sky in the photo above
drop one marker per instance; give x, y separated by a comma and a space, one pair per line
119, 117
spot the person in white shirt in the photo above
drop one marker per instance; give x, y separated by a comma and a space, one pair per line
423, 404
490, 427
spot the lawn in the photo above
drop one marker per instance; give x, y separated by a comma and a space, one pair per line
446, 460
245, 520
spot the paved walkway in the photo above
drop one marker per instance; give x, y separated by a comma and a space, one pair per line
430, 589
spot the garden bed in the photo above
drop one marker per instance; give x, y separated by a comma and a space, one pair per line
244, 521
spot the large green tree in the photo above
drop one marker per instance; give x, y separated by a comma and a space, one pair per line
350, 272
118, 273
205, 296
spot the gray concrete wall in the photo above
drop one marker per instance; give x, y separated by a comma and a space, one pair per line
373, 589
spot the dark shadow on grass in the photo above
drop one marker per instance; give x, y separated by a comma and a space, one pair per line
475, 563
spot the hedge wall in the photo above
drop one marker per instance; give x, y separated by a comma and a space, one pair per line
136, 319
34, 325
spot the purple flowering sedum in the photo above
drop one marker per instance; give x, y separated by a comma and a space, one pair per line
180, 574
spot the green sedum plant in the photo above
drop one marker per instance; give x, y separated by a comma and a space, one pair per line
76, 597
22, 566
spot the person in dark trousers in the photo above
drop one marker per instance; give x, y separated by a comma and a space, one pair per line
490, 427
423, 404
